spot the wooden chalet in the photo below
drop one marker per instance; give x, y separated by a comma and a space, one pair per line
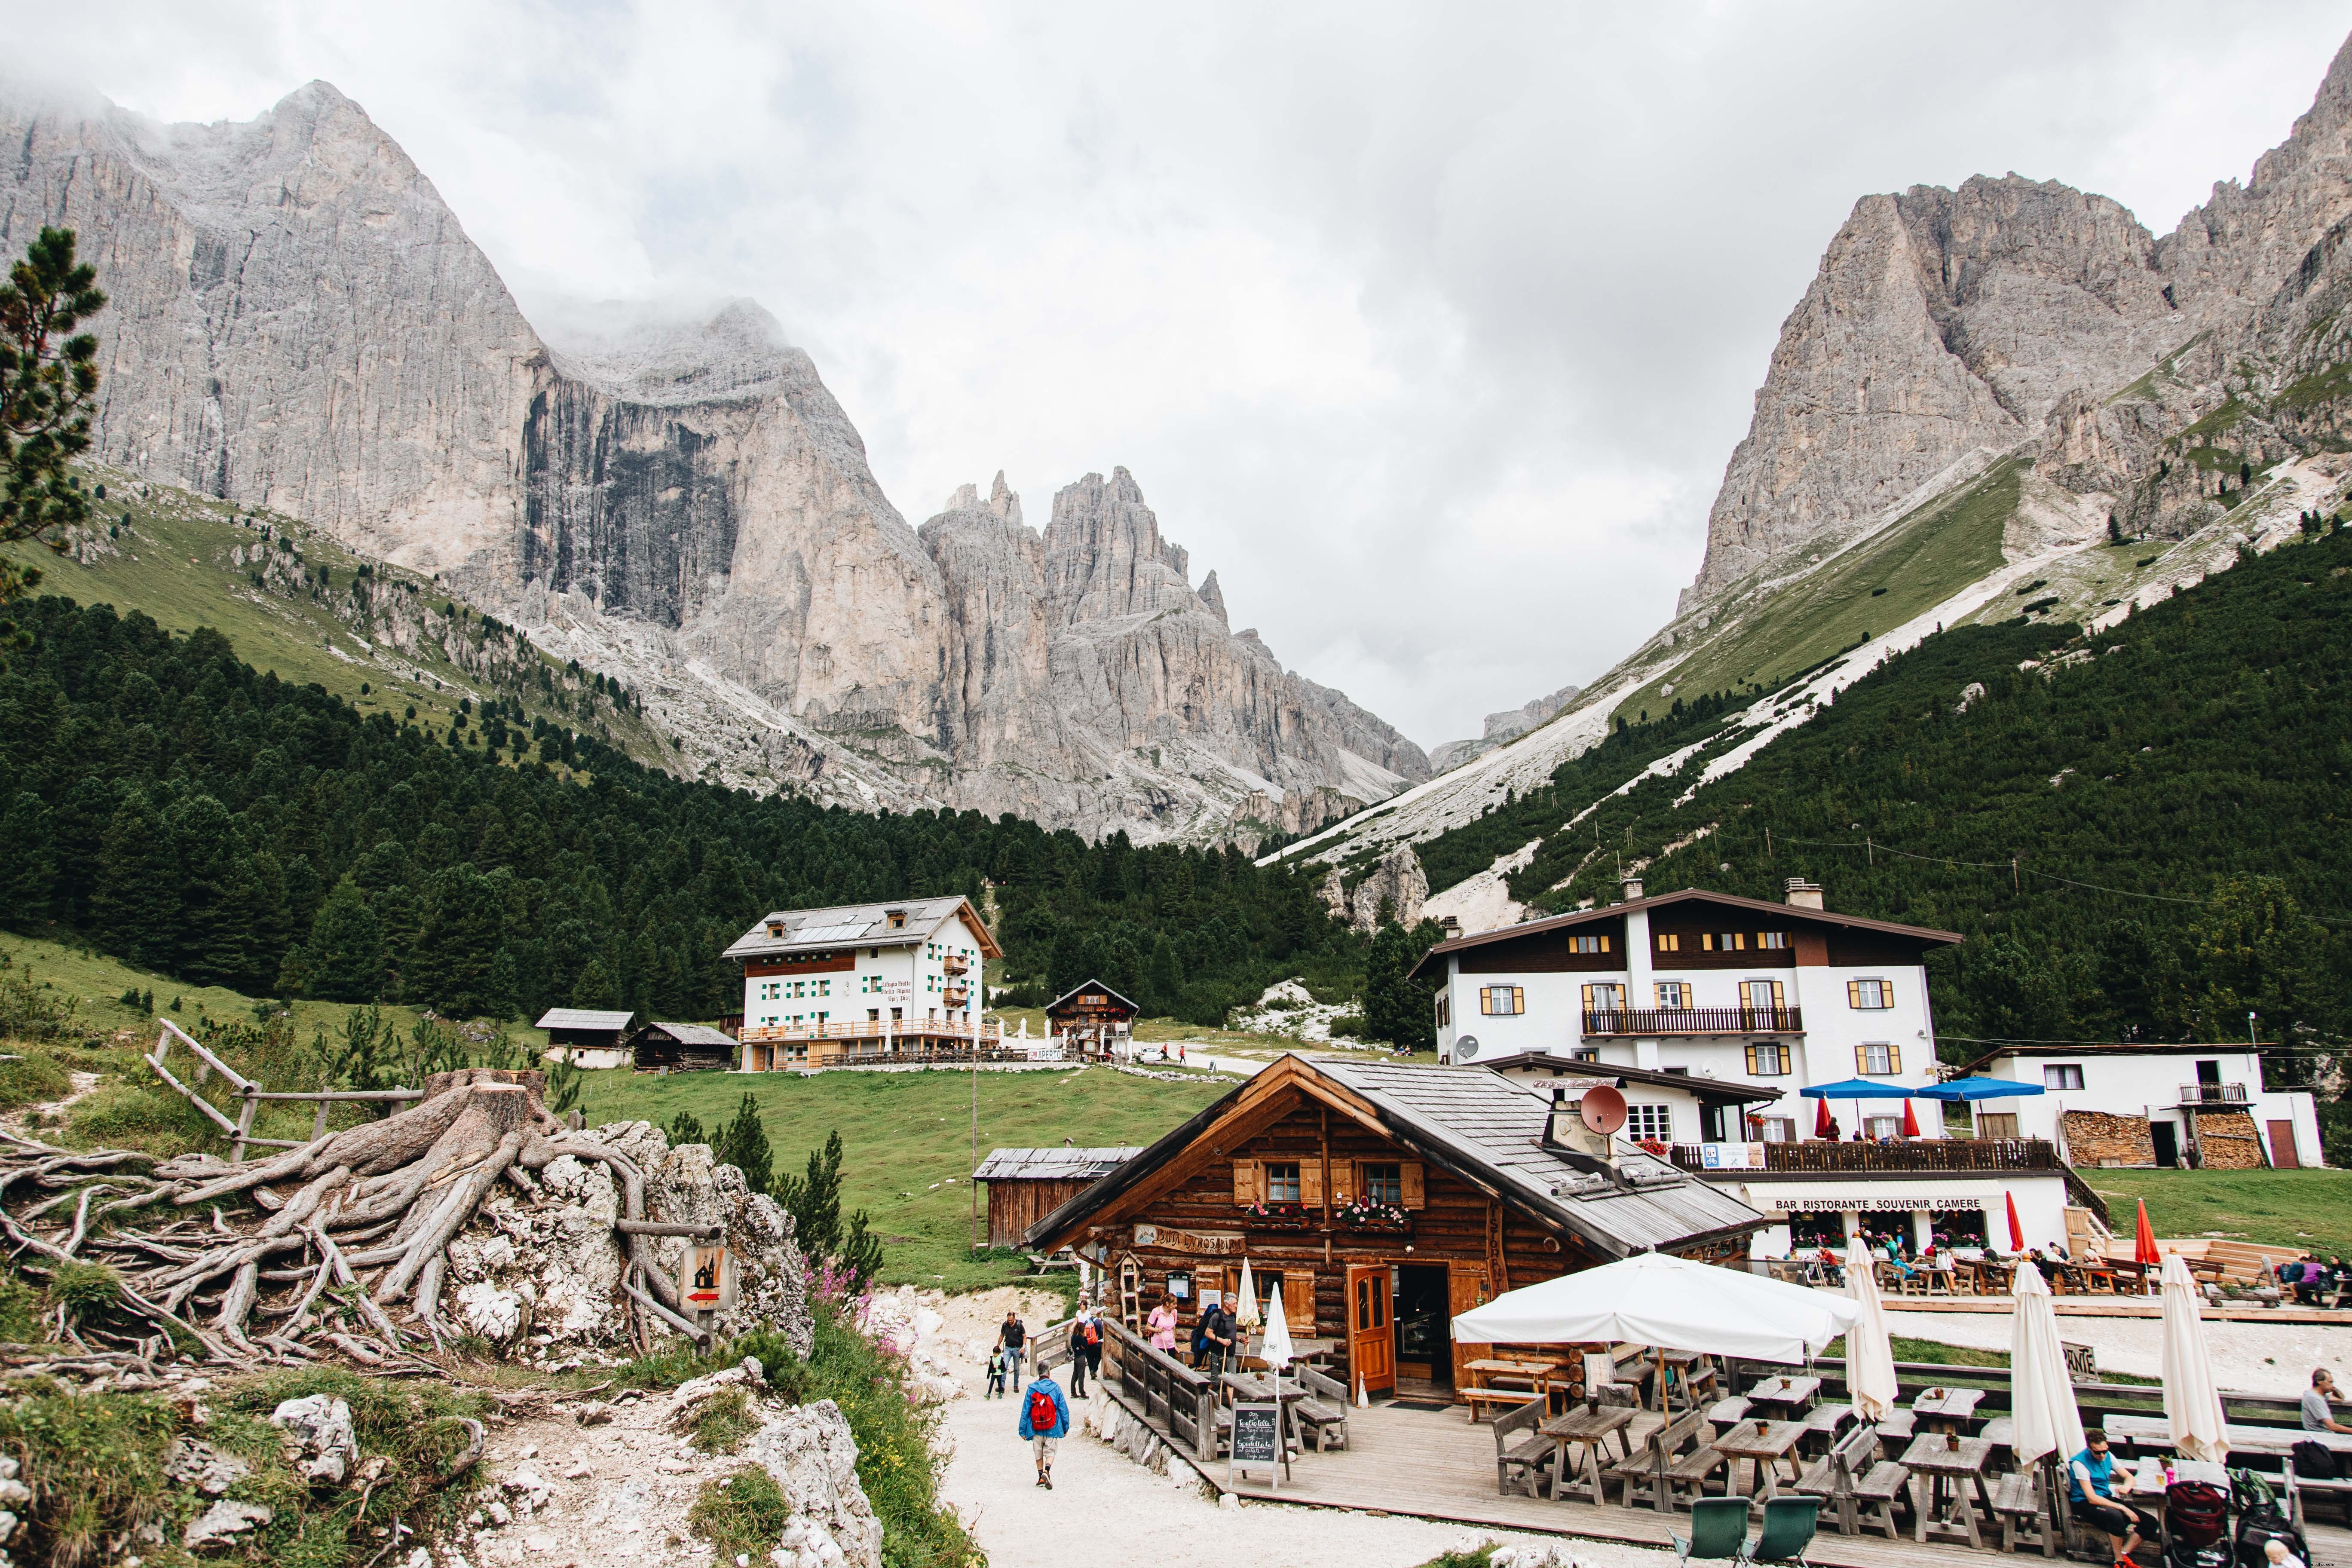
682, 1047
1024, 1185
589, 1037
1090, 1017
1386, 1199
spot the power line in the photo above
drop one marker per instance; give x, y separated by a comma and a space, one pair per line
2266, 1046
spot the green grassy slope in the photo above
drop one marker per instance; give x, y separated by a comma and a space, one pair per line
907, 1139
1910, 567
2310, 1209
172, 555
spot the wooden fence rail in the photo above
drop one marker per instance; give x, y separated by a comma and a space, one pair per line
1179, 1401
250, 1095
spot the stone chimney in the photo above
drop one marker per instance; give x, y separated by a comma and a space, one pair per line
1450, 925
1803, 895
1632, 889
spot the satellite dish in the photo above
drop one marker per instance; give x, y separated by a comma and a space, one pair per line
1466, 1048
1602, 1110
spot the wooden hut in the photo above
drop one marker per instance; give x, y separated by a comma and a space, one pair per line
1090, 1017
682, 1047
1024, 1185
588, 1037
1385, 1199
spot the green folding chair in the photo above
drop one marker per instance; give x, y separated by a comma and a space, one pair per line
1718, 1530
1788, 1524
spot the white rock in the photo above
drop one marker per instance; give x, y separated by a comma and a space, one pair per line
223, 1521
527, 1487
322, 1426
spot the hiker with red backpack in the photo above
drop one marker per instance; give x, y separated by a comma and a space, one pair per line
1045, 1418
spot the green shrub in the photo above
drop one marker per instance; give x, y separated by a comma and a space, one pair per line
32, 1078
1347, 1025
743, 1514
83, 1288
95, 1466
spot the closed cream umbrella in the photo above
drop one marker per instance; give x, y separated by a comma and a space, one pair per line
2192, 1404
1245, 1313
1277, 1350
1869, 1354
2040, 1390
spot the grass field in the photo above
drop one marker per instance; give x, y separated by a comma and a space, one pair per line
907, 1139
2310, 1209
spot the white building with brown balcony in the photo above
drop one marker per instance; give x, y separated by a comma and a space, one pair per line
2201, 1106
1738, 995
898, 980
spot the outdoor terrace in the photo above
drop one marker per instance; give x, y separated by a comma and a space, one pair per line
1936, 1154
1694, 1021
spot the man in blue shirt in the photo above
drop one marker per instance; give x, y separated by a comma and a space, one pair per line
2091, 1487
1045, 1419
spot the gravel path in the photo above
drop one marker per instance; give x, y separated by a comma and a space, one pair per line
1105, 1512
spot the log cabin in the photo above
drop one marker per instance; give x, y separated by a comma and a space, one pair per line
1024, 1185
1385, 1199
681, 1047
1090, 1017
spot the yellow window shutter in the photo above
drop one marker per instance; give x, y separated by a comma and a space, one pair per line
1518, 999
1854, 993
1780, 998
1245, 1182
1310, 1181
1588, 998
1751, 1061
1860, 1059
1298, 1304
1894, 1059
1415, 1196
1344, 1183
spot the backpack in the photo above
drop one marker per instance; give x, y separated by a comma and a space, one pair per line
2313, 1461
1042, 1414
1094, 1332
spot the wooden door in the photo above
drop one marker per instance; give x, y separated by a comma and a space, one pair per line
2282, 1154
1467, 1288
1371, 1338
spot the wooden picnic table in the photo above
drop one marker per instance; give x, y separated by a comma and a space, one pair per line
2271, 1442
1949, 1405
1776, 1441
1492, 1371
1792, 1393
1283, 1392
1587, 1429
1949, 1468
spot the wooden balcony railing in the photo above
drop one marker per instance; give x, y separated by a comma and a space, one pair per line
1991, 1154
988, 1029
955, 964
2197, 1094
1694, 1021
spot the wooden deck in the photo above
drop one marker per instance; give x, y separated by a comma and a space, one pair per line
1433, 1464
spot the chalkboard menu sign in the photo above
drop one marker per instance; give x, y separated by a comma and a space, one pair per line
1257, 1439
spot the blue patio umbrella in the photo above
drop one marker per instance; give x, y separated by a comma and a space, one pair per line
1859, 1089
1964, 1089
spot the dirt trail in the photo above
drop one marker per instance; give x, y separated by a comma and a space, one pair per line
19, 1121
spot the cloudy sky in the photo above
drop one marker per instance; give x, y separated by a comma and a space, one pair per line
1430, 328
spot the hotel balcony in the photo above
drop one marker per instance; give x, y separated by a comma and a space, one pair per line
955, 964
1828, 1158
955, 996
1694, 1021
2214, 1096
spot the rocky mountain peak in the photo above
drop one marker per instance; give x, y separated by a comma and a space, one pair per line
1104, 555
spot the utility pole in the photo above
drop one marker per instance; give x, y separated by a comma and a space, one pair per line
975, 1119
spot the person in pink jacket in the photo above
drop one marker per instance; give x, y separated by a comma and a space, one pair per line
1163, 1324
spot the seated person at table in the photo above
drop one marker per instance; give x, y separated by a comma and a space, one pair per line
2317, 1415
2091, 1486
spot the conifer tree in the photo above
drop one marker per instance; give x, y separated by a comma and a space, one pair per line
743, 1143
48, 379
344, 960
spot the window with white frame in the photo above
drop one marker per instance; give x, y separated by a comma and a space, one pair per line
1883, 1126
1649, 1122
1673, 995
1502, 1001
1776, 1128
1880, 1060
1768, 1061
1870, 996
1774, 940
1604, 996
2062, 1074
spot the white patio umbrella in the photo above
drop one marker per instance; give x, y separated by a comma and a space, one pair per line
1245, 1313
1654, 1299
1277, 1350
2192, 1406
1869, 1354
2040, 1390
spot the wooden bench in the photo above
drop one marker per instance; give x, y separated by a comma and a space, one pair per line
1522, 1453
1693, 1470
1479, 1399
1645, 1472
1323, 1409
2020, 1500
1824, 1423
2299, 1487
1860, 1488
1897, 1430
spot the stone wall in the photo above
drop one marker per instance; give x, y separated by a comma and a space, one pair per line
2095, 1137
2226, 1141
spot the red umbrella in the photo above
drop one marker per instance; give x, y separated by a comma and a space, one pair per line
2016, 1231
1910, 1121
1822, 1126
2144, 1240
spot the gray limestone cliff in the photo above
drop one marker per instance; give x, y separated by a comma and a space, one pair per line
299, 323
1509, 725
2018, 313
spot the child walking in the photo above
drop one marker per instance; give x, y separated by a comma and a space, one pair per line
995, 1374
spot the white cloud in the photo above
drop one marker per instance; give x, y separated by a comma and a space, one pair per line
1430, 328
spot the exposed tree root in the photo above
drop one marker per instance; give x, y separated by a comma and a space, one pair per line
347, 1225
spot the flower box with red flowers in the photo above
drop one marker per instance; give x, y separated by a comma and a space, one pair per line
1277, 1216
1365, 1215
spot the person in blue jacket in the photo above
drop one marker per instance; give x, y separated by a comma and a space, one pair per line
1045, 1418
